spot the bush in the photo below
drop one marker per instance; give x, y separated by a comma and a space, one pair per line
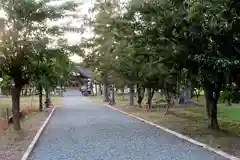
229, 96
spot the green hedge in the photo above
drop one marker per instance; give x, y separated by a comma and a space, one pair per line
229, 96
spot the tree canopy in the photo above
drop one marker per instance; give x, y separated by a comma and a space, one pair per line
26, 46
163, 44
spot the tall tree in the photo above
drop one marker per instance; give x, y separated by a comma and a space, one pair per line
24, 30
101, 57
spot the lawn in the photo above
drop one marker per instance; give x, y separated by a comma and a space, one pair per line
25, 102
226, 114
201, 99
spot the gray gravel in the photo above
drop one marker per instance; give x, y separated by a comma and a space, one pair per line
82, 130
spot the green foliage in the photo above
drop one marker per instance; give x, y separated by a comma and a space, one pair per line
27, 52
229, 95
154, 42
165, 44
6, 81
102, 55
51, 69
25, 34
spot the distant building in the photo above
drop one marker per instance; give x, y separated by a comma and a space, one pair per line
81, 79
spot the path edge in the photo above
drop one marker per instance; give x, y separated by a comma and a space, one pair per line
181, 136
37, 136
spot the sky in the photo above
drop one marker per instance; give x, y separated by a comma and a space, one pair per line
81, 11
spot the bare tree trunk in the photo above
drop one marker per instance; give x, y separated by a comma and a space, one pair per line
96, 90
229, 99
40, 98
16, 91
47, 101
140, 92
150, 96
131, 88
30, 91
197, 95
211, 95
168, 99
22, 92
61, 91
91, 88
113, 97
105, 93
122, 89
25, 91
100, 89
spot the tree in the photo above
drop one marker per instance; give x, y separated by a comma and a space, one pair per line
24, 30
202, 32
170, 30
168, 44
52, 69
140, 52
101, 57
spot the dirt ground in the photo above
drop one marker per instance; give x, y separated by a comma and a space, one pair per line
13, 144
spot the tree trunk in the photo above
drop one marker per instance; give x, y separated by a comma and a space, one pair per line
47, 101
61, 91
105, 93
30, 91
168, 99
211, 95
113, 97
150, 96
229, 99
96, 90
122, 90
91, 88
140, 92
131, 88
100, 89
22, 92
16, 91
25, 91
197, 96
192, 93
40, 98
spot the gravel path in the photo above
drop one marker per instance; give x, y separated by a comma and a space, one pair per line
82, 130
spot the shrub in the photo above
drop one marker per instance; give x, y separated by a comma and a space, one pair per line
229, 96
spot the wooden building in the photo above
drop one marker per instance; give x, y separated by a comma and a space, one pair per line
81, 79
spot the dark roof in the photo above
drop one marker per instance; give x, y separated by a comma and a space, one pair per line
85, 72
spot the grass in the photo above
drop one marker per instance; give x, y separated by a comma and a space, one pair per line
224, 113
201, 99
229, 116
25, 102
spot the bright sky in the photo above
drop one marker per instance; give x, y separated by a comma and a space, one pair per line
81, 11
